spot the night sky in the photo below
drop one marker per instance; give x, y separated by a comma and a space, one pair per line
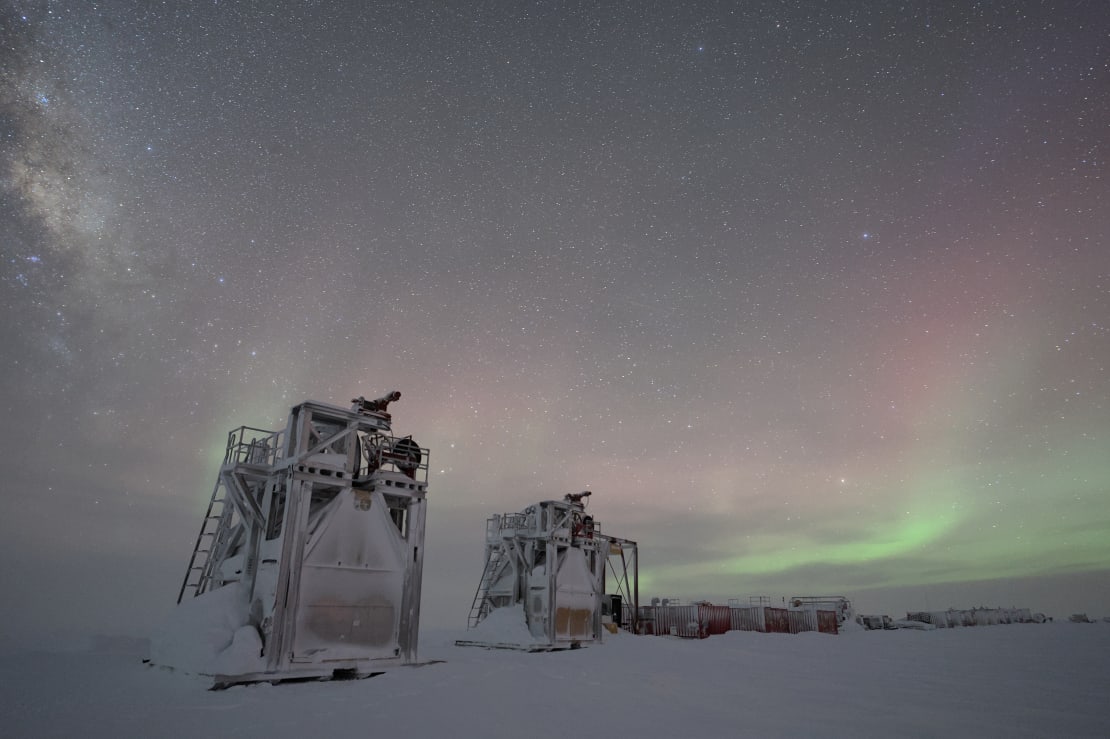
813, 296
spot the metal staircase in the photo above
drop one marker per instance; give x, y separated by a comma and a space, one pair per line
214, 530
480, 608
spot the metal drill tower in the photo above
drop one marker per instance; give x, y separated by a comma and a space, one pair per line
321, 526
551, 560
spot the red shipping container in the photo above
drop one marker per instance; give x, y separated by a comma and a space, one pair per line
826, 622
713, 619
776, 620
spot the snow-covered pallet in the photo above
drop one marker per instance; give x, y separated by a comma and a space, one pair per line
222, 682
538, 647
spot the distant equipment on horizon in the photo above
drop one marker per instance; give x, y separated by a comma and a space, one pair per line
952, 618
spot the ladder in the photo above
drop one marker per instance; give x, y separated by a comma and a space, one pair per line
479, 609
213, 531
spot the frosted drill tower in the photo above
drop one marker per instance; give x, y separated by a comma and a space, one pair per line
550, 560
320, 527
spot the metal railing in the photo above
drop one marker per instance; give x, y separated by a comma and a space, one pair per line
250, 445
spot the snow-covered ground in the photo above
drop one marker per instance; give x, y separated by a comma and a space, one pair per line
1035, 680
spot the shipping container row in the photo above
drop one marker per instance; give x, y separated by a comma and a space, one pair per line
698, 621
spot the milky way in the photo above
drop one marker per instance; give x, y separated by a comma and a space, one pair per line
812, 297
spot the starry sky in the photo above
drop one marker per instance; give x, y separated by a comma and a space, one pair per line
813, 296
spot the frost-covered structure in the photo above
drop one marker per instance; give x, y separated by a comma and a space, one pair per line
544, 581
837, 603
309, 559
954, 617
